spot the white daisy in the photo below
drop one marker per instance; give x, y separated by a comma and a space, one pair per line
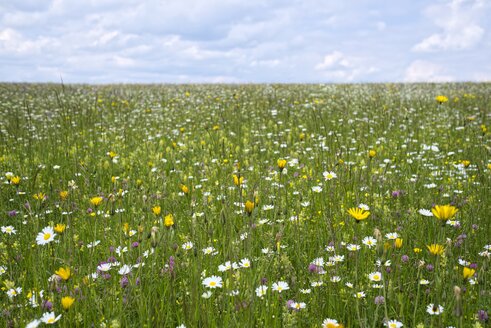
261, 290
434, 309
392, 235
187, 246
49, 318
425, 212
375, 276
213, 282
317, 189
369, 241
393, 324
280, 286
125, 269
245, 263
329, 175
46, 236
9, 230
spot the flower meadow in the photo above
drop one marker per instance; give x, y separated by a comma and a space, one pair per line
245, 205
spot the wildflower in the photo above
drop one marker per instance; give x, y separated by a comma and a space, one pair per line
358, 214
15, 180
375, 276
169, 220
104, 267
466, 163
46, 236
329, 175
392, 235
425, 212
353, 247
63, 194
261, 290
398, 242
435, 249
369, 241
468, 272
49, 318
33, 324
238, 181
213, 282
9, 230
441, 99
444, 212
64, 273
331, 323
124, 270
39, 196
317, 189
482, 316
156, 210
249, 207
281, 164
184, 189
379, 300
335, 279
393, 324
60, 227
434, 309
96, 201
359, 295
297, 306
187, 245
424, 282
12, 292
417, 250
245, 263
67, 302
280, 286
372, 153
112, 154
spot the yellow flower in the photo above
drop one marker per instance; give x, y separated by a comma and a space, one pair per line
398, 243
39, 196
64, 273
489, 166
358, 213
63, 194
417, 250
238, 180
96, 201
435, 249
156, 210
184, 189
15, 180
468, 272
60, 227
67, 302
372, 153
441, 99
169, 220
281, 164
249, 207
466, 163
444, 212
111, 154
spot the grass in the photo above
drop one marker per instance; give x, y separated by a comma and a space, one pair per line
200, 153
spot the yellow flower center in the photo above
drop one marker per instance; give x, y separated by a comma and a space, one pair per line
51, 320
47, 236
213, 283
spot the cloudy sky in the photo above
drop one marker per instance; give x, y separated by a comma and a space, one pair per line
180, 41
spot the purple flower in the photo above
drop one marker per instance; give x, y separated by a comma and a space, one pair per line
482, 316
429, 267
135, 244
124, 282
473, 266
405, 258
379, 300
289, 303
12, 213
47, 305
264, 281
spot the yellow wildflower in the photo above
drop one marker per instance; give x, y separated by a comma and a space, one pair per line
435, 249
67, 302
444, 212
64, 273
358, 213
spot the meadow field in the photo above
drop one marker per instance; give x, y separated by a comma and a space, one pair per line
245, 205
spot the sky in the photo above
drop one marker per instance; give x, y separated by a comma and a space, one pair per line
244, 41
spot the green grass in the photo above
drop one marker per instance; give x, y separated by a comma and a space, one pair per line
137, 146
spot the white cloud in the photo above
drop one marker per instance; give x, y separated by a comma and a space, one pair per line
338, 67
458, 21
424, 71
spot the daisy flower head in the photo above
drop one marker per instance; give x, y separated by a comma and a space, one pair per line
297, 306
392, 235
9, 230
375, 276
187, 245
329, 175
213, 282
425, 212
369, 241
353, 247
434, 309
393, 324
261, 290
46, 236
50, 318
330, 323
317, 189
280, 286
359, 295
